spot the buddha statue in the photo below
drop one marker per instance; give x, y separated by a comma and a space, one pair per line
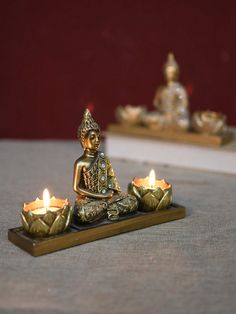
98, 193
171, 101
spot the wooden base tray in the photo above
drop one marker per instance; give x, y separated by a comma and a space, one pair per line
184, 137
77, 235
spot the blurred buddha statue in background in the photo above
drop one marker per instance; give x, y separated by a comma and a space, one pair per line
171, 100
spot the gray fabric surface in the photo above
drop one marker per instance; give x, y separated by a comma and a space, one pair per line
186, 266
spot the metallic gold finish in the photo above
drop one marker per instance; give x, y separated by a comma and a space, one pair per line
154, 120
130, 115
77, 234
193, 138
49, 223
171, 101
88, 124
209, 122
99, 194
151, 198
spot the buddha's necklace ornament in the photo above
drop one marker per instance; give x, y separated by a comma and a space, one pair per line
98, 192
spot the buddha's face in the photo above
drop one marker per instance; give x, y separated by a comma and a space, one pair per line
171, 74
92, 140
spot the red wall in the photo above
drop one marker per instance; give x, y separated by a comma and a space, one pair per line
59, 56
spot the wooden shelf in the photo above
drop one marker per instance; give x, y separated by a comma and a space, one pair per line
184, 137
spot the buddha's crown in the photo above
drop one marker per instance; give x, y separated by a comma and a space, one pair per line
171, 63
87, 124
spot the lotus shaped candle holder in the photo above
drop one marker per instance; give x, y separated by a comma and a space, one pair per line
209, 122
41, 222
130, 115
153, 120
152, 198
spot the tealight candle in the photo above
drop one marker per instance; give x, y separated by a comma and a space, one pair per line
152, 194
46, 217
48, 204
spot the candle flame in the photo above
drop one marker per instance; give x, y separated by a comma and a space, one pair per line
46, 198
152, 178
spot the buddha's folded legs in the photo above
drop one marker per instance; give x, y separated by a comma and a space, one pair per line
124, 205
89, 210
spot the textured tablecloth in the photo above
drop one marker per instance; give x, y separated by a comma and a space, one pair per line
186, 266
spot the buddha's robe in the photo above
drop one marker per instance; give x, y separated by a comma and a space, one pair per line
171, 101
100, 178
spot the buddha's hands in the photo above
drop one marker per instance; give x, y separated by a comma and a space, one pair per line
109, 194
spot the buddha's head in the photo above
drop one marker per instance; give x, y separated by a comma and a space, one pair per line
171, 69
89, 133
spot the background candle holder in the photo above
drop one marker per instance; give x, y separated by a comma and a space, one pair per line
153, 120
209, 122
130, 115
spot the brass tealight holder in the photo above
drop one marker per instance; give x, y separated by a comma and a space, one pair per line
130, 115
209, 122
47, 217
153, 120
152, 194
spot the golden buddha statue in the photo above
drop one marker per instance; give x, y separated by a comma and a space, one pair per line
99, 194
171, 101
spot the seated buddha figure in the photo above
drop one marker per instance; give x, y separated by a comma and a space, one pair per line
98, 192
171, 100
